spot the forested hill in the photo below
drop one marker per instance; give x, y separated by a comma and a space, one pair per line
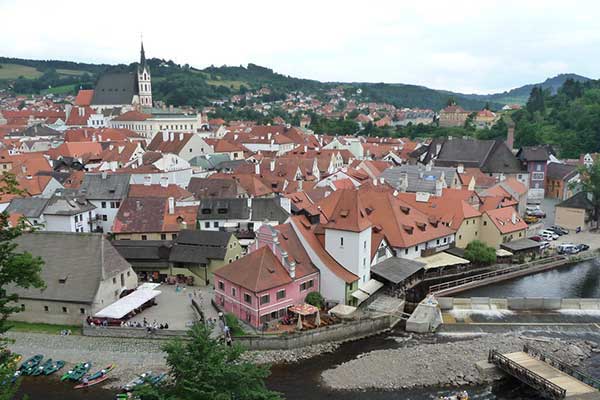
569, 120
521, 94
185, 85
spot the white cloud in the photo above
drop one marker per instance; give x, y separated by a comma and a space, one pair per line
459, 45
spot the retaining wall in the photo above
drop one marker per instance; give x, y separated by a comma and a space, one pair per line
115, 331
517, 303
334, 333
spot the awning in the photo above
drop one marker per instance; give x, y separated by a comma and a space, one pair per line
127, 304
303, 309
441, 259
360, 295
148, 286
342, 311
503, 253
371, 287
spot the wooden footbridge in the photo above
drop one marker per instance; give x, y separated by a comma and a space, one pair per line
551, 377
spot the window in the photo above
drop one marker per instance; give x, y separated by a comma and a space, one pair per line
365, 245
22, 307
221, 285
114, 280
417, 248
248, 317
207, 224
538, 167
303, 286
437, 241
104, 218
364, 262
122, 279
76, 218
46, 308
341, 241
459, 237
144, 237
216, 224
173, 236
311, 283
445, 240
163, 236
265, 299
405, 251
281, 294
64, 309
484, 223
247, 298
233, 292
128, 274
103, 204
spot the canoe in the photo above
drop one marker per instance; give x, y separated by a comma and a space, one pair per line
57, 365
78, 372
39, 370
139, 380
31, 362
154, 379
101, 373
92, 383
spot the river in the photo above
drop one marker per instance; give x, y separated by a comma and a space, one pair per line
299, 381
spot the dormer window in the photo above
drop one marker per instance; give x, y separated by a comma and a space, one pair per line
405, 209
206, 211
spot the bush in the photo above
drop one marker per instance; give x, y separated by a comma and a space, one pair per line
234, 325
315, 299
480, 253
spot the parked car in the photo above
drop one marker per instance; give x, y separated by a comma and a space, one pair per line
558, 229
536, 213
545, 234
582, 247
567, 248
530, 219
544, 245
537, 238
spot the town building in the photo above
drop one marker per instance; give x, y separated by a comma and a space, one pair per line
502, 225
83, 273
106, 192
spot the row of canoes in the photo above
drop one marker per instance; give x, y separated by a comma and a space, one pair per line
147, 378
35, 367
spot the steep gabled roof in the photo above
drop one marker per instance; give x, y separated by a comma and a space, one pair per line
115, 89
506, 219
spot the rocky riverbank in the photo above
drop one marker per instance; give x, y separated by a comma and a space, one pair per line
443, 364
132, 356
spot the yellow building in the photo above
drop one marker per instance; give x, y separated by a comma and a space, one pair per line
574, 213
501, 225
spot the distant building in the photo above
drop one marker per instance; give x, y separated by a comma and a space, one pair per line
453, 115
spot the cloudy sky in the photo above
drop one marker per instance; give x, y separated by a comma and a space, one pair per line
468, 46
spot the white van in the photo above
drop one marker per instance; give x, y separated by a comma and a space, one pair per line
567, 248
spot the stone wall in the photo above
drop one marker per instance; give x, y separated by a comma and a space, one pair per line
334, 333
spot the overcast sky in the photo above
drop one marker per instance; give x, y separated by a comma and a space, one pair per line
468, 46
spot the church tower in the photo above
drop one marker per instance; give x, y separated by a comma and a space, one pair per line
144, 81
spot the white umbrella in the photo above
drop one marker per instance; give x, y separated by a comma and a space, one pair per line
299, 326
318, 319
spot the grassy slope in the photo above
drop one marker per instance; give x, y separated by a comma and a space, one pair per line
18, 326
14, 71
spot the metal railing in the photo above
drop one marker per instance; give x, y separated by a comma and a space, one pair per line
491, 274
562, 366
538, 382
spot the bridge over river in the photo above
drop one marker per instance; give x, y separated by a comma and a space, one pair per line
551, 377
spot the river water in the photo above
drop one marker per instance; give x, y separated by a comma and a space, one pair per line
300, 381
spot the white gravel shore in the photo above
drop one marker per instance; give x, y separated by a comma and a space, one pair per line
442, 364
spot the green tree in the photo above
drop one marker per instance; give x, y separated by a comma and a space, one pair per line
590, 184
203, 369
315, 299
480, 253
19, 269
536, 100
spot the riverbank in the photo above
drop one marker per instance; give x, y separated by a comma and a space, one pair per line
132, 356
443, 364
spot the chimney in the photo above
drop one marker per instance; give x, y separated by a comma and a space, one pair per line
181, 137
272, 165
438, 188
382, 180
165, 136
257, 168
81, 111
111, 146
374, 182
269, 136
23, 168
460, 169
305, 148
104, 175
171, 205
300, 185
138, 205
510, 138
171, 136
99, 138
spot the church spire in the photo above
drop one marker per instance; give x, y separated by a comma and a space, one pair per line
142, 56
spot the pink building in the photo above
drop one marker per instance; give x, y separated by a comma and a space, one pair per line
277, 274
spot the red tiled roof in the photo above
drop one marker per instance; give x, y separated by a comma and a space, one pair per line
174, 143
84, 97
132, 115
175, 191
503, 218
258, 271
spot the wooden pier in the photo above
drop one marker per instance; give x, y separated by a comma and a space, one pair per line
552, 378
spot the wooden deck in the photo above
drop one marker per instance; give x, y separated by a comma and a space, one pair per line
575, 388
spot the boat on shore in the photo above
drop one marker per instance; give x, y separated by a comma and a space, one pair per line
77, 372
31, 363
39, 370
458, 396
137, 381
95, 378
56, 366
